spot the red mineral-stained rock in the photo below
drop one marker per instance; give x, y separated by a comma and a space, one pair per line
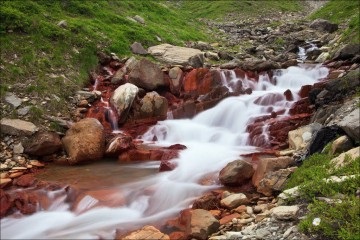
5, 203
166, 166
201, 81
25, 180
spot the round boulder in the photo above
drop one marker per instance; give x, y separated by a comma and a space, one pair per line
236, 173
85, 141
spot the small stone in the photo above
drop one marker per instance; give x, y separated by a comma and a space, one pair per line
16, 174
36, 163
18, 148
29, 166
4, 181
4, 175
3, 166
18, 168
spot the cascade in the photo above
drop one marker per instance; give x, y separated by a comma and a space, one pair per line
213, 138
302, 53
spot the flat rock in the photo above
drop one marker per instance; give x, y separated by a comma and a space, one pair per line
17, 127
285, 212
177, 55
147, 232
12, 99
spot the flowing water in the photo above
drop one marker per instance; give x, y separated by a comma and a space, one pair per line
213, 138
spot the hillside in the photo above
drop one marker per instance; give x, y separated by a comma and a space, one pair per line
48, 48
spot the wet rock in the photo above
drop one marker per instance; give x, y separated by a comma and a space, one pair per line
85, 95
26, 180
201, 81
234, 201
266, 165
147, 75
236, 173
175, 75
85, 141
123, 98
341, 144
5, 203
42, 143
324, 25
118, 145
175, 55
166, 166
137, 48
200, 224
147, 232
17, 127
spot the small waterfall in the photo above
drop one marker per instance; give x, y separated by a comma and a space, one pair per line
213, 138
302, 53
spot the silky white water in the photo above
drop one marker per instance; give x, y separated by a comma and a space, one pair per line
213, 138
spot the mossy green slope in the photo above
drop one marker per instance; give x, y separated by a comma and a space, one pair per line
342, 12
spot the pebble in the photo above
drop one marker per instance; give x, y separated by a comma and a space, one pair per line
36, 163
16, 174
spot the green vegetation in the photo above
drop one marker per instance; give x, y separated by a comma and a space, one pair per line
220, 8
42, 59
340, 11
340, 219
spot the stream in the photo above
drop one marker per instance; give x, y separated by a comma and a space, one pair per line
213, 138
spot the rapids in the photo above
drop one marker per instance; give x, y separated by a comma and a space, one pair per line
213, 138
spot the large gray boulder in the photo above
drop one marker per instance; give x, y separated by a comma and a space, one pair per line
324, 25
147, 75
177, 55
347, 52
350, 124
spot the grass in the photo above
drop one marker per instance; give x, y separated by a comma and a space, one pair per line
218, 9
338, 220
34, 47
340, 11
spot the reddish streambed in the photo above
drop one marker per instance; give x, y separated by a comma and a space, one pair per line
105, 174
141, 194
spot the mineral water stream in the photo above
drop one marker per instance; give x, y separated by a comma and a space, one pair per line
213, 138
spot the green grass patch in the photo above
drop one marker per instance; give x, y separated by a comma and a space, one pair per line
340, 11
218, 9
340, 219
34, 47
